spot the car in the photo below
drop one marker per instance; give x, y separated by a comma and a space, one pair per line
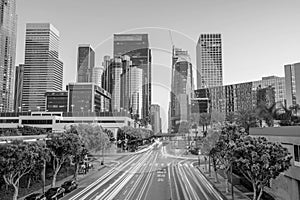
69, 185
33, 196
53, 193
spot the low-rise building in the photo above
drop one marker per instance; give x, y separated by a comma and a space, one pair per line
58, 121
287, 185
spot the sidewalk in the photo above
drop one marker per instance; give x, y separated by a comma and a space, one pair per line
221, 186
109, 161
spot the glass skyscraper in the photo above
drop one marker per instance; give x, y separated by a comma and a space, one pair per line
182, 88
85, 63
43, 71
8, 29
209, 61
137, 47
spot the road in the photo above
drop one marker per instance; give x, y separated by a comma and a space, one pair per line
153, 174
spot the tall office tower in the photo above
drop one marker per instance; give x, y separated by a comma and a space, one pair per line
115, 86
8, 32
85, 63
43, 70
105, 80
292, 83
132, 90
155, 118
97, 76
19, 74
209, 61
137, 47
181, 88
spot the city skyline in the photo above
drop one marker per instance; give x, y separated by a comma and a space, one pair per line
246, 39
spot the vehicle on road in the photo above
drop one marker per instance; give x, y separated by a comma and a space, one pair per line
69, 185
33, 196
53, 194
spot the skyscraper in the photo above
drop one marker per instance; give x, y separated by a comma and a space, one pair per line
181, 88
8, 31
85, 63
137, 47
18, 87
292, 83
155, 118
43, 70
97, 76
209, 61
132, 90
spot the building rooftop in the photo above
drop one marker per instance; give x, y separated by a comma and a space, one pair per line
288, 131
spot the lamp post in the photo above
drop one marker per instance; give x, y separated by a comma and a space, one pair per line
72, 108
38, 107
20, 109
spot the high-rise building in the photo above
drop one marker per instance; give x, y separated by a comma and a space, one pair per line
97, 76
209, 61
132, 90
43, 70
181, 88
19, 74
292, 83
155, 118
137, 47
8, 32
85, 63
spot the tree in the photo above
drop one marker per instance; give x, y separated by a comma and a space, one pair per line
246, 118
266, 113
93, 136
18, 159
63, 146
217, 117
208, 143
222, 152
260, 161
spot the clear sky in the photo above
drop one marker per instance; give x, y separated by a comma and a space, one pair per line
259, 36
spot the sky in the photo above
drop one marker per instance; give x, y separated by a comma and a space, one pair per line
258, 37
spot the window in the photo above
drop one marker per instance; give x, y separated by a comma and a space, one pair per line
296, 155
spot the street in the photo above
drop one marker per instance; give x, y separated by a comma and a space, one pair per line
153, 174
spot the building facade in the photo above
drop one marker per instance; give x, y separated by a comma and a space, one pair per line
132, 91
19, 73
87, 98
43, 70
136, 46
85, 63
97, 76
209, 61
292, 83
155, 118
277, 83
287, 185
56, 101
8, 32
181, 88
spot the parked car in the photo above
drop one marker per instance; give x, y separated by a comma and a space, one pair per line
53, 194
33, 196
69, 185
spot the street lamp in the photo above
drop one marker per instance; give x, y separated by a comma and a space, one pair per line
20, 109
72, 107
38, 108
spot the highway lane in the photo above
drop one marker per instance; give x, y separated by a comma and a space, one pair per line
150, 175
